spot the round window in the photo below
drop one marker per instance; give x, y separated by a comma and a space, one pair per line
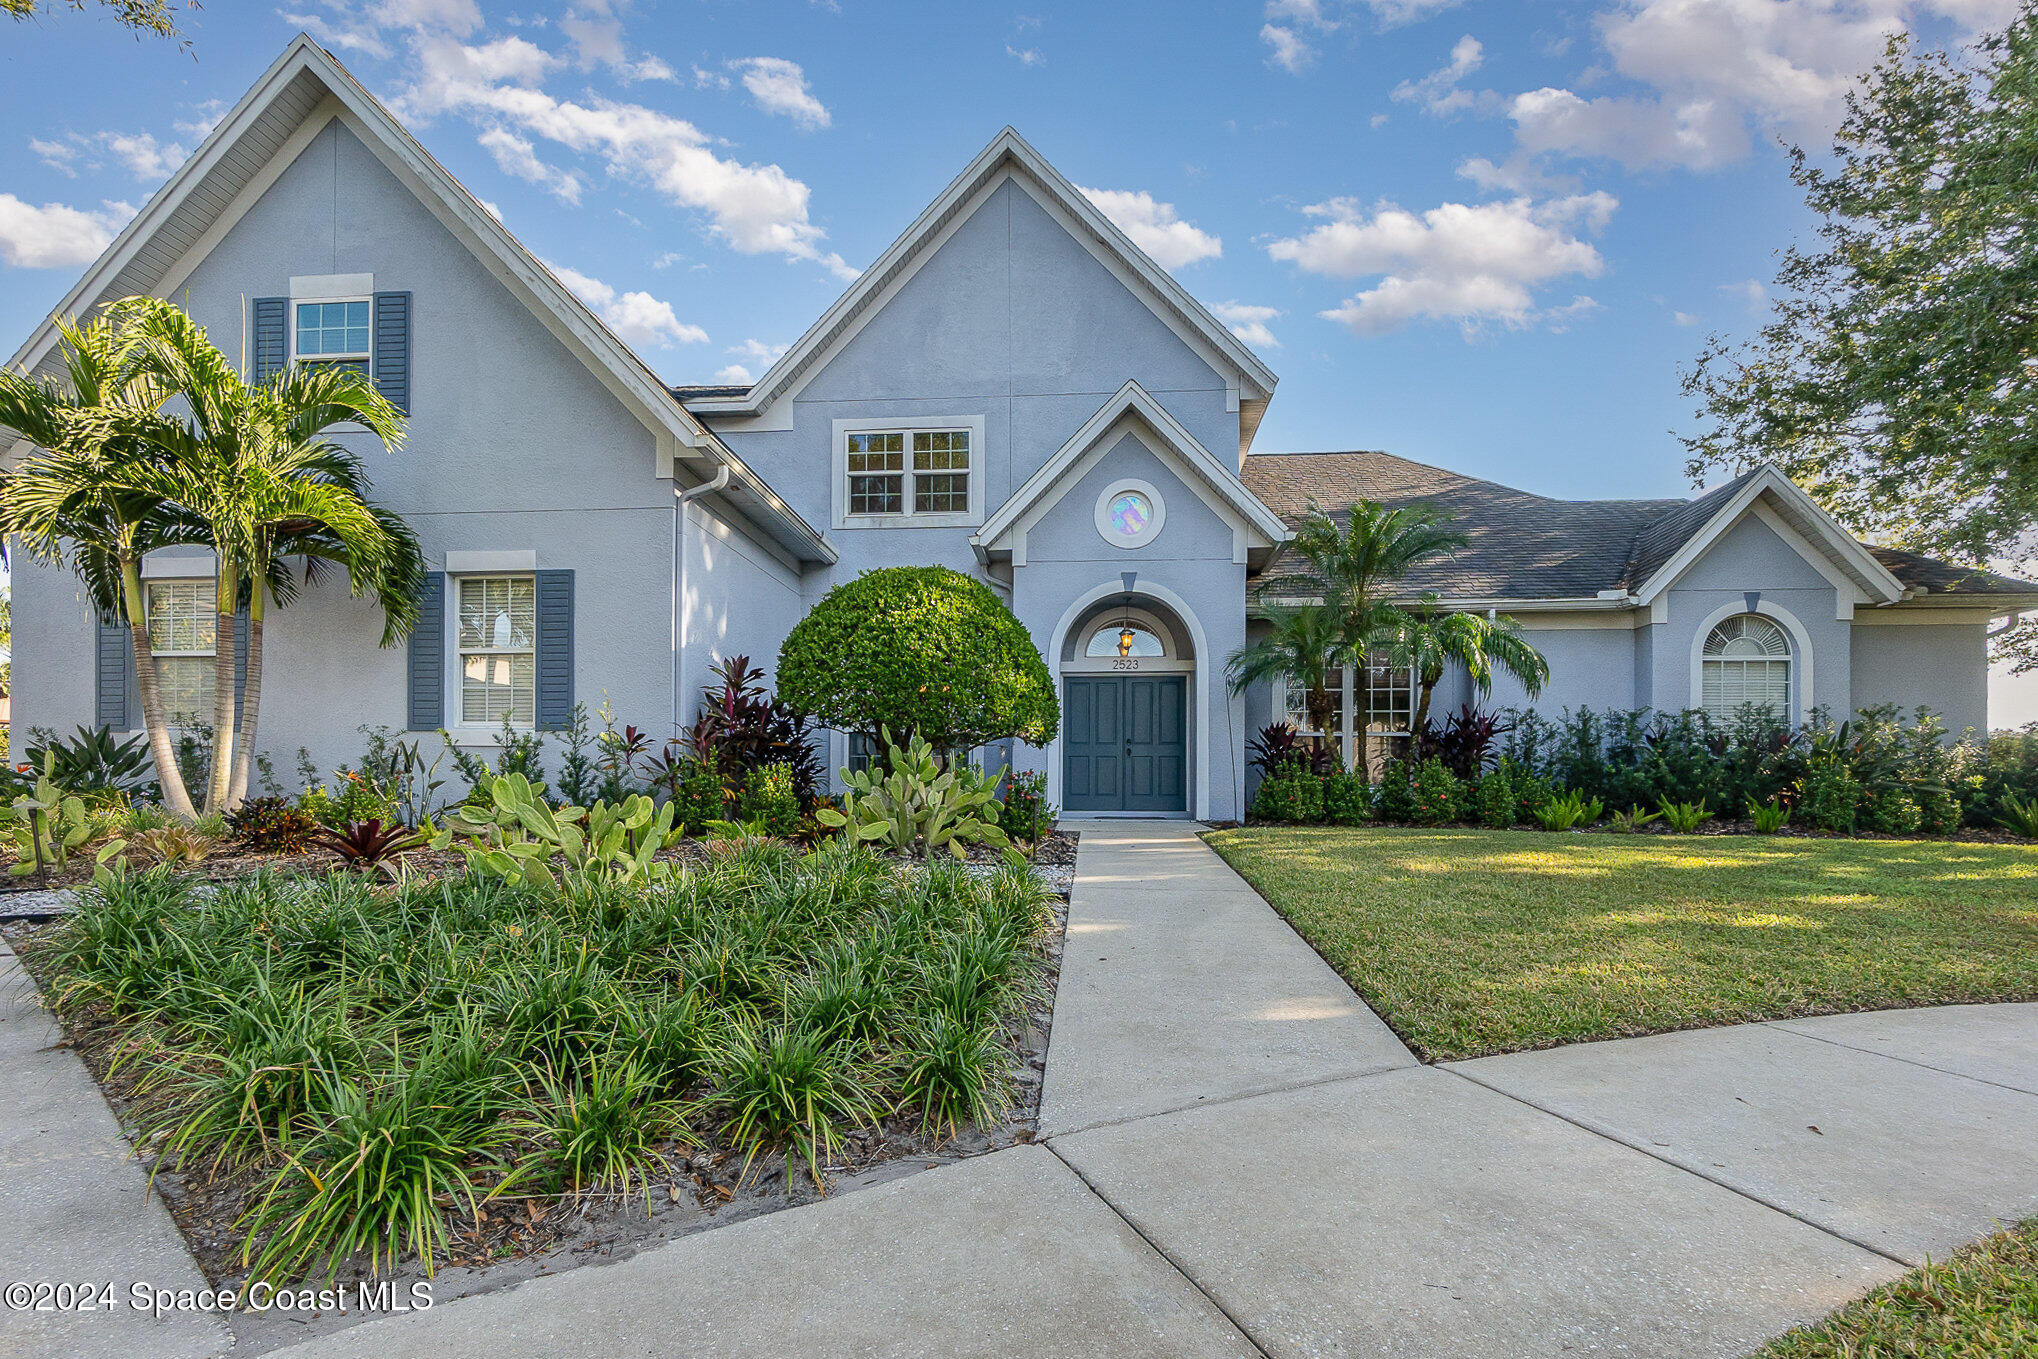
1129, 514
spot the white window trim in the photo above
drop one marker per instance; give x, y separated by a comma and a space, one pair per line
1154, 525
1354, 731
925, 424
366, 356
1801, 690
209, 581
467, 733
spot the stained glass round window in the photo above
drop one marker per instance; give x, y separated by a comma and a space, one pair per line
1130, 513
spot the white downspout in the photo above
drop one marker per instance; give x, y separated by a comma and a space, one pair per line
681, 499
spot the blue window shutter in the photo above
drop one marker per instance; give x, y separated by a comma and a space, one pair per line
113, 660
270, 349
392, 349
428, 656
555, 650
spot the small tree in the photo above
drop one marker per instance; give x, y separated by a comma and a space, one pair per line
919, 648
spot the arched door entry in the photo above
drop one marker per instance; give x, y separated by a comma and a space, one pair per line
1125, 738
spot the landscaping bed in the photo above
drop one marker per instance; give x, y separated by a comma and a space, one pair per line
333, 1074
1472, 942
1981, 1302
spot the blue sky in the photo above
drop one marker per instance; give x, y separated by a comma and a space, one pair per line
1485, 235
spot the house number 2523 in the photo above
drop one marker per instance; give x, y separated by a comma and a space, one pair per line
1125, 663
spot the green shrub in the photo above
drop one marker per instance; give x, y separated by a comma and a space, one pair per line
1685, 817
1292, 797
912, 806
1494, 798
1939, 812
1830, 799
2019, 816
1631, 820
769, 801
271, 825
1768, 818
919, 648
1396, 800
1532, 793
1347, 801
1435, 794
697, 795
1890, 811
1570, 810
1025, 813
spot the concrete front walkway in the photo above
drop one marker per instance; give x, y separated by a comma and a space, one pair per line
1240, 1159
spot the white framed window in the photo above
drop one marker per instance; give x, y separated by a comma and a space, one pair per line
496, 652
915, 473
1746, 660
183, 622
1373, 706
333, 332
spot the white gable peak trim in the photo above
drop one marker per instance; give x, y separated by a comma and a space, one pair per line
1249, 381
1816, 534
1253, 524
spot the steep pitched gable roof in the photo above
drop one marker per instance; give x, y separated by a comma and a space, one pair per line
1008, 151
252, 144
1526, 547
1054, 477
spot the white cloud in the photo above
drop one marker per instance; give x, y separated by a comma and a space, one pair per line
709, 80
667, 260
1683, 318
1713, 73
1286, 48
348, 37
598, 41
759, 352
1518, 174
1461, 262
1438, 92
517, 156
1025, 56
1290, 24
734, 373
780, 86
56, 236
139, 153
1393, 13
1155, 227
757, 209
57, 155
1249, 322
1751, 291
637, 317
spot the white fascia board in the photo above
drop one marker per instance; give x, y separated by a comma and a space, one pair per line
1051, 480
1839, 544
1251, 379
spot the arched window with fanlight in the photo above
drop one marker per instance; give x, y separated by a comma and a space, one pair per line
1746, 660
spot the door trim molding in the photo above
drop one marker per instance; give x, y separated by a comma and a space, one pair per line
1201, 679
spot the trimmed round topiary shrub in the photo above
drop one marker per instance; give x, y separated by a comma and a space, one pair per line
919, 648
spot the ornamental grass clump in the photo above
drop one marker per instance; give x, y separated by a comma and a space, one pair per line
370, 1063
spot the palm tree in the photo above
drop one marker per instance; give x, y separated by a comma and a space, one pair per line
253, 464
1375, 547
1305, 645
1426, 639
70, 503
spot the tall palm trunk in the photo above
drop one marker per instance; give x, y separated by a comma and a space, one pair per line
224, 647
251, 701
169, 777
1426, 686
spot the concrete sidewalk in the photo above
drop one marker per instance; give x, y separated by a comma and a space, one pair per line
75, 1206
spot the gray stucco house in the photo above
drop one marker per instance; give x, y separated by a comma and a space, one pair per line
1013, 389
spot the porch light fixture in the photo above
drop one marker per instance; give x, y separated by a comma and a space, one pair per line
1125, 633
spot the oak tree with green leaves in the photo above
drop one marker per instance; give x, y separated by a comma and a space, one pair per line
1897, 378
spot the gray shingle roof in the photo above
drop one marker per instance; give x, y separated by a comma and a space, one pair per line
1527, 546
700, 391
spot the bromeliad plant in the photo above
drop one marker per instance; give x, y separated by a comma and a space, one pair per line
371, 846
915, 807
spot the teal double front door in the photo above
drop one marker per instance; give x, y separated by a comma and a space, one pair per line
1125, 743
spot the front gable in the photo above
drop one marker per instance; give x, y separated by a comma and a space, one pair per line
1127, 431
1047, 298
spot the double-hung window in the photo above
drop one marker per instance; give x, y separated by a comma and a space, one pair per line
1298, 704
333, 334
1372, 707
498, 650
183, 636
901, 472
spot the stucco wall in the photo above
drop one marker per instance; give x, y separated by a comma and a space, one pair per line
1943, 666
1010, 320
513, 445
1187, 566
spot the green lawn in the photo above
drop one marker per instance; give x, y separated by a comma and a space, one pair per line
1471, 942
1981, 1303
